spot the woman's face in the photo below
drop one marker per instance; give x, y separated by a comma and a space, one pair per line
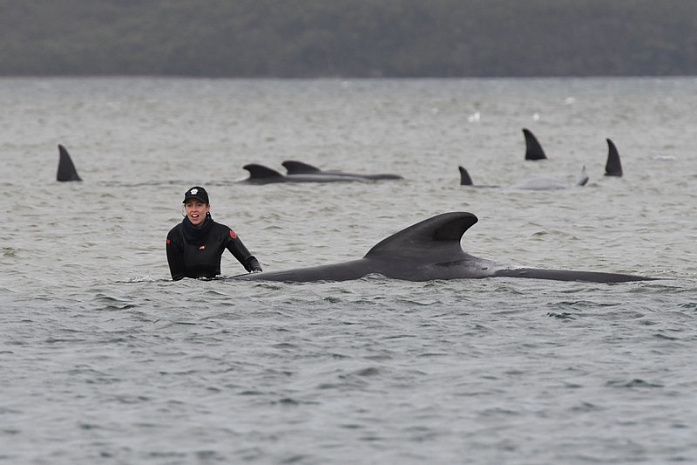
196, 211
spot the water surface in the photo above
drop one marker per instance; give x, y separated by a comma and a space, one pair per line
105, 360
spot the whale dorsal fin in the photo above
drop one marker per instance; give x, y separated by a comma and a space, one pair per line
298, 167
66, 168
582, 179
436, 239
465, 179
261, 172
613, 167
533, 149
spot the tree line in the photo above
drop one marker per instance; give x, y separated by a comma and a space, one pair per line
348, 38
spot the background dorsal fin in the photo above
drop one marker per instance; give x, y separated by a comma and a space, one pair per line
66, 168
298, 167
261, 171
465, 179
533, 149
613, 167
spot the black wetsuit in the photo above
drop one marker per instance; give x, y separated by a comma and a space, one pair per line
195, 252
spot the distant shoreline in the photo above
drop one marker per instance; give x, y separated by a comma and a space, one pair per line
304, 39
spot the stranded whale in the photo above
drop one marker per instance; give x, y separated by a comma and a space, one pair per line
66, 168
430, 250
297, 167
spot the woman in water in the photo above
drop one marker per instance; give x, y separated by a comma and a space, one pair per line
195, 245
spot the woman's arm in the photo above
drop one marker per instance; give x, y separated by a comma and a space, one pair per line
175, 257
237, 248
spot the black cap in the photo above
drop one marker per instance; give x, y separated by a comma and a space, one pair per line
198, 193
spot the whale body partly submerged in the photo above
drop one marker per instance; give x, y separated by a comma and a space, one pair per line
302, 172
431, 250
294, 167
260, 174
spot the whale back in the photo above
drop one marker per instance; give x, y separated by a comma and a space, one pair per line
298, 168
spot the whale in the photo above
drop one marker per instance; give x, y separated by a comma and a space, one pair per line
260, 174
534, 184
613, 166
66, 168
294, 167
430, 250
533, 148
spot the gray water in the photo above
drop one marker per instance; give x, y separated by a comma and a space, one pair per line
105, 360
